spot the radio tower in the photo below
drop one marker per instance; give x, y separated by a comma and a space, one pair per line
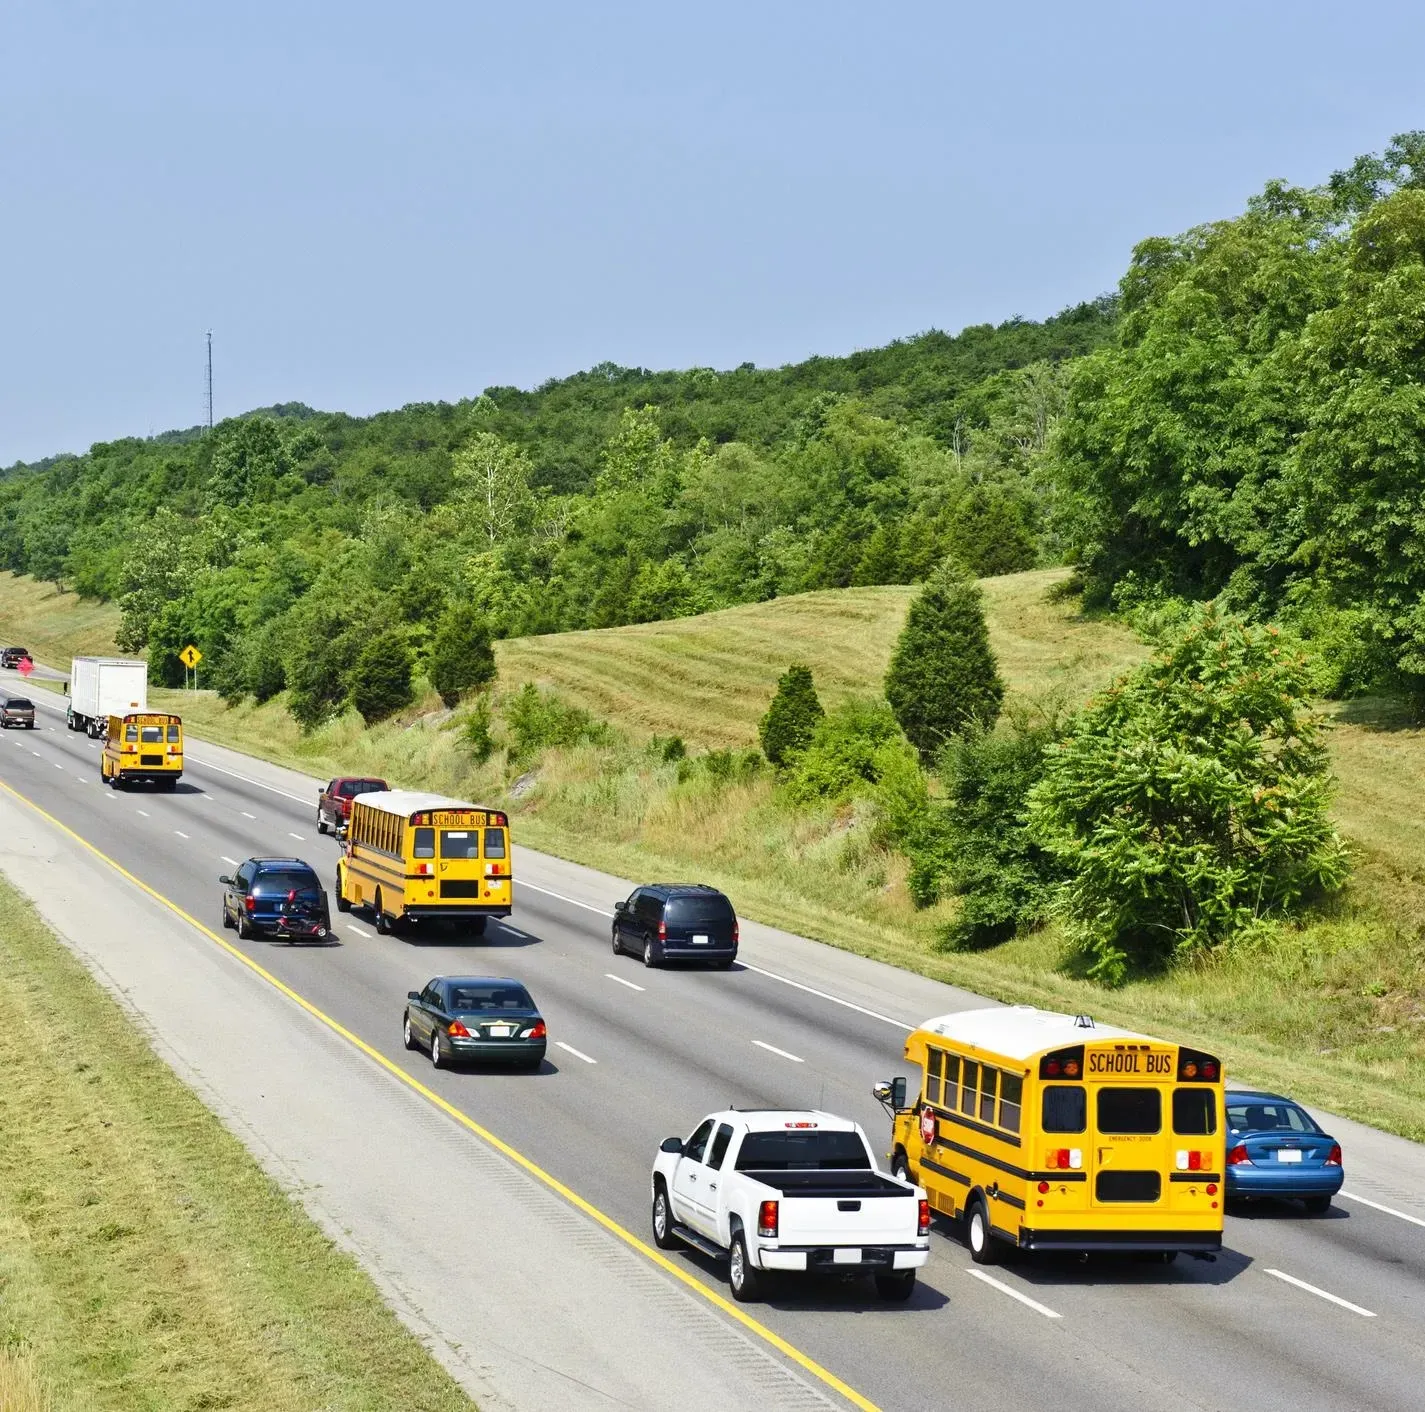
210, 380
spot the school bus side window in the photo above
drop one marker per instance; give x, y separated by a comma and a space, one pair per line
424, 846
1065, 1109
1011, 1094
989, 1079
934, 1074
969, 1083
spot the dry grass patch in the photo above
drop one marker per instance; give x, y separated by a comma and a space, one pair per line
146, 1261
55, 626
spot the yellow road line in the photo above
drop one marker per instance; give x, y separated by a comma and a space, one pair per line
726, 1306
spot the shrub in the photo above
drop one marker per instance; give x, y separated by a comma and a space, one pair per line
541, 720
984, 851
1189, 801
787, 728
844, 758
722, 767
942, 678
461, 657
475, 731
381, 677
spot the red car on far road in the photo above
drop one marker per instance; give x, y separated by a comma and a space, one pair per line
334, 802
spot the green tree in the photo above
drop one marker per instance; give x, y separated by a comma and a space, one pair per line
461, 657
791, 720
381, 676
1190, 800
942, 678
492, 479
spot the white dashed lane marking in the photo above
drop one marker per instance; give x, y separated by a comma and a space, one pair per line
1321, 1293
297, 836
569, 1049
246, 815
621, 981
180, 833
1376, 1206
144, 812
231, 862
772, 1049
1013, 1293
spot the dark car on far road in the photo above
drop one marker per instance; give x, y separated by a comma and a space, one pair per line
1275, 1148
334, 802
13, 656
489, 1019
279, 897
676, 922
17, 711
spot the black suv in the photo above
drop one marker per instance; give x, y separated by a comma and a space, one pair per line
676, 922
13, 656
280, 897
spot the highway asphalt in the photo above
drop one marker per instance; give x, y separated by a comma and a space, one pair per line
1297, 1313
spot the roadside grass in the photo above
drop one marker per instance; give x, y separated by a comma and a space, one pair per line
146, 1261
55, 626
1332, 1009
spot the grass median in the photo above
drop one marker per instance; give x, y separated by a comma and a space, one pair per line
146, 1260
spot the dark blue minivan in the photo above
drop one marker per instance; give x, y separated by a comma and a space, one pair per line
278, 897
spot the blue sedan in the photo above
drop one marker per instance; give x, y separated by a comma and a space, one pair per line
1276, 1149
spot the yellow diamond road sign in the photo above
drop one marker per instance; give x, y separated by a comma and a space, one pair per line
190, 656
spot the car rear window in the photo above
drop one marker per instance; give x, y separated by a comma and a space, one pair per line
291, 881
1268, 1115
698, 911
794, 1151
470, 998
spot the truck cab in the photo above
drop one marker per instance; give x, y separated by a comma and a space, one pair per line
789, 1190
143, 748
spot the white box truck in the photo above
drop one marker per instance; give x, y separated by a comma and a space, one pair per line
100, 687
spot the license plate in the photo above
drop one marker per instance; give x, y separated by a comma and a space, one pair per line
499, 1031
701, 940
846, 1255
1288, 1154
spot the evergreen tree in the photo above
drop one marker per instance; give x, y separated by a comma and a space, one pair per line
381, 678
943, 676
791, 720
461, 657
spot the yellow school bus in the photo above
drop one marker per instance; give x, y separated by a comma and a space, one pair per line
144, 747
1049, 1132
422, 857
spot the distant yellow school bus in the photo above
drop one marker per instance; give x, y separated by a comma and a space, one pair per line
143, 747
1049, 1132
422, 857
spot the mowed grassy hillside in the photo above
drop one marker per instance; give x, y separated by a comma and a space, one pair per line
55, 626
708, 679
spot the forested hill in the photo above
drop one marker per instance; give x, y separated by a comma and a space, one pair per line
616, 495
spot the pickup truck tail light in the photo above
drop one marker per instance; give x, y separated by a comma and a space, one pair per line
923, 1225
767, 1215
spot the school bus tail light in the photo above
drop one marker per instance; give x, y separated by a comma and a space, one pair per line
767, 1217
1188, 1161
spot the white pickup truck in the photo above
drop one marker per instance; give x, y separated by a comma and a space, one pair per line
775, 1190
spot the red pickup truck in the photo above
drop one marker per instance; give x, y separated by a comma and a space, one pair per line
334, 802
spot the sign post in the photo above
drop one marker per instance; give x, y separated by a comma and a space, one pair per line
190, 657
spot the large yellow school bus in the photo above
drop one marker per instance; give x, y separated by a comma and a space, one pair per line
1049, 1132
144, 747
422, 857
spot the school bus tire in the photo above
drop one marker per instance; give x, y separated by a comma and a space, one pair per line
342, 902
477, 925
383, 922
978, 1234
900, 1166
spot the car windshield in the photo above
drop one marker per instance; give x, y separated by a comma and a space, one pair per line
286, 882
791, 1151
469, 998
1268, 1115
698, 911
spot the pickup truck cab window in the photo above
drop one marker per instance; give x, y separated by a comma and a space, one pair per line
719, 1146
696, 1145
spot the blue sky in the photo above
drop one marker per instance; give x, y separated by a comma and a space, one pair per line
378, 204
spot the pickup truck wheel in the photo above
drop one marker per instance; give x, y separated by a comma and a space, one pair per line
663, 1236
895, 1289
321, 822
742, 1277
977, 1232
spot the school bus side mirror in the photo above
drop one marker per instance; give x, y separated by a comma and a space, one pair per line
891, 1092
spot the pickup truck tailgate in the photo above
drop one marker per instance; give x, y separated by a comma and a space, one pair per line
872, 1219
